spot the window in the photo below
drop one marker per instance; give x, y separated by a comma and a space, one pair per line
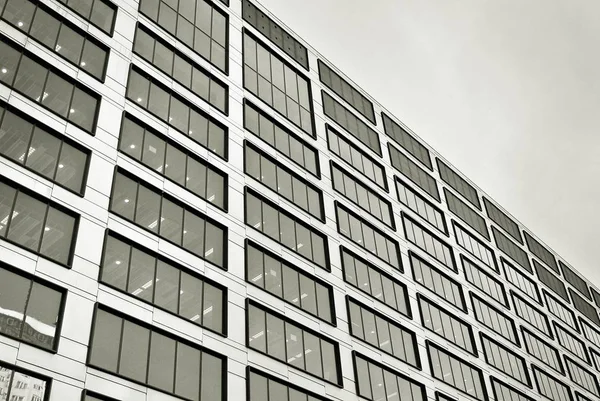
346, 91
489, 285
551, 281
14, 379
571, 343
421, 206
272, 30
40, 149
521, 281
179, 67
284, 340
368, 236
441, 397
278, 84
280, 278
456, 372
507, 362
542, 351
91, 396
562, 312
143, 274
369, 279
582, 377
100, 13
459, 184
505, 222
37, 224
424, 240
161, 214
512, 250
466, 214
575, 280
280, 138
446, 325
356, 158
48, 87
172, 161
595, 358
590, 333
382, 333
286, 229
413, 172
504, 392
580, 397
596, 296
264, 387
531, 315
436, 281
550, 387
541, 252
282, 180
406, 140
149, 94
149, 356
475, 247
584, 307
377, 382
362, 196
495, 320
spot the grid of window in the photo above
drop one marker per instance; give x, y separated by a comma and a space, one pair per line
562, 312
47, 86
575, 280
505, 222
286, 229
375, 382
413, 172
174, 110
146, 355
484, 281
426, 241
100, 13
551, 387
367, 236
509, 363
584, 307
277, 84
456, 372
13, 380
521, 281
551, 281
264, 387
355, 157
40, 149
407, 141
162, 214
173, 161
590, 333
382, 333
504, 392
436, 281
475, 247
466, 214
542, 351
198, 24
369, 279
280, 138
446, 325
284, 340
531, 315
541, 252
582, 377
36, 224
277, 177
512, 250
458, 184
495, 320
421, 206
571, 343
272, 30
343, 89
273, 274
54, 32
158, 281
361, 195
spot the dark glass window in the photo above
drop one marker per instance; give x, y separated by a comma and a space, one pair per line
560, 310
495, 320
466, 214
586, 309
475, 247
505, 222
575, 280
509, 363
521, 281
512, 250
484, 281
531, 315
542, 351
459, 184
432, 245
421, 206
264, 387
16, 381
590, 333
91, 396
541, 252
100, 13
436, 281
401, 136
551, 281
413, 172
551, 387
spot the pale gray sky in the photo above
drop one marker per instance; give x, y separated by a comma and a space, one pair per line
508, 91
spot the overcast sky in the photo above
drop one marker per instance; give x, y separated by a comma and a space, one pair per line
508, 91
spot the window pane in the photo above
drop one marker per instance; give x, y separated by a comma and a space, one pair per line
58, 235
190, 306
193, 234
163, 58
57, 94
43, 153
294, 346
187, 380
14, 290
138, 88
166, 294
72, 164
161, 367
102, 16
93, 59
19, 13
115, 263
30, 78
70, 44
83, 7
134, 351
212, 377
158, 101
175, 165
179, 115
308, 295
291, 286
124, 197
312, 351
26, 223
9, 60
171, 221
215, 188
273, 276
329, 362
214, 244
213, 308
45, 27
105, 341
147, 209
141, 275
182, 70
258, 387
256, 329
200, 84
132, 136
275, 338
83, 109
15, 134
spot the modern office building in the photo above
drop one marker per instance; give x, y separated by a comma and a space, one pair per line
196, 205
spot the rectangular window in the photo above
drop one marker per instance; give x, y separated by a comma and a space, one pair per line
426, 241
382, 333
277, 83
413, 172
421, 206
551, 281
149, 356
466, 214
87, 395
590, 333
531, 315
161, 214
584, 307
283, 181
273, 274
37, 224
280, 138
179, 113
484, 281
575, 280
367, 236
550, 387
559, 310
346, 91
376, 382
355, 157
161, 282
441, 397
296, 346
406, 140
512, 250
48, 87
495, 320
542, 351
16, 381
582, 377
521, 281
505, 361
100, 13
446, 325
505, 222
263, 387
40, 149
456, 372
362, 196
504, 392
595, 358
475, 247
571, 343
459, 184
285, 228
369, 279
596, 296
541, 252
436, 281
173, 161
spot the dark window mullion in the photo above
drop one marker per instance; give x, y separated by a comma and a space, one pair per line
25, 309
43, 228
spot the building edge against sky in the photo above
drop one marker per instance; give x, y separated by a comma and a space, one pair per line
194, 204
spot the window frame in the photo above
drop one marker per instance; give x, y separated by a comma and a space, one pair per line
576, 298
488, 204
551, 281
254, 369
555, 299
575, 280
428, 164
464, 260
494, 380
483, 336
85, 392
463, 210
541, 252
509, 265
558, 327
535, 368
525, 330
514, 329
39, 376
456, 225
109, 4
437, 196
512, 250
569, 361
514, 295
583, 324
399, 181
463, 181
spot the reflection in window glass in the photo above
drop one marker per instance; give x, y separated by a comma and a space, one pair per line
99, 12
35, 386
